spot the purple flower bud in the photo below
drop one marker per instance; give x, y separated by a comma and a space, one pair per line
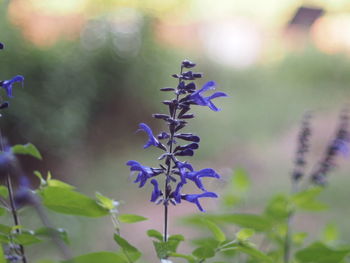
161, 116
191, 86
187, 116
163, 135
197, 75
188, 137
167, 89
4, 105
187, 152
1, 45
192, 146
188, 64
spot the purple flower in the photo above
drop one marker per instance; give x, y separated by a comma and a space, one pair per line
156, 192
196, 176
1, 45
151, 139
342, 146
7, 84
177, 192
6, 157
188, 64
183, 167
24, 195
144, 174
197, 98
194, 198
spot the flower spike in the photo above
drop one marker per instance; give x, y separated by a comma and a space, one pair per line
177, 172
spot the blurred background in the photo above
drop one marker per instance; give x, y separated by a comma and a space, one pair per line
93, 70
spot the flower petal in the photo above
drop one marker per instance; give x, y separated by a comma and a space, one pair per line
7, 84
151, 139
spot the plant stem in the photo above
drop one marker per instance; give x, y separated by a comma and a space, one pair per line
288, 241
14, 213
166, 186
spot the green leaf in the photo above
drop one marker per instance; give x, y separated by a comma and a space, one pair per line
244, 234
67, 201
330, 233
278, 208
129, 218
320, 253
103, 257
4, 239
129, 250
25, 238
189, 258
206, 242
231, 199
41, 178
27, 149
50, 232
2, 211
203, 252
240, 180
176, 238
154, 233
218, 234
4, 191
253, 252
60, 184
106, 202
256, 222
305, 200
164, 249
299, 238
5, 229
2, 256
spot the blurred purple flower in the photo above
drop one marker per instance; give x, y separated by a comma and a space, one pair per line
342, 147
6, 157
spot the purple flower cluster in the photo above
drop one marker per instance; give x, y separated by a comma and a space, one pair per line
7, 85
339, 145
177, 173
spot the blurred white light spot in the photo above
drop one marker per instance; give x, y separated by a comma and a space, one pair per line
331, 34
126, 26
234, 43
